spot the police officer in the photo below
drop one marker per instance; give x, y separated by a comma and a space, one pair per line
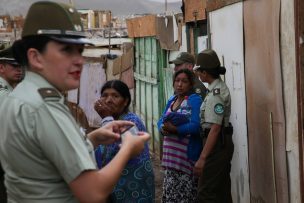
45, 156
10, 75
214, 166
186, 61
10, 72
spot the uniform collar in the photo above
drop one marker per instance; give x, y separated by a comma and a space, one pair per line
213, 84
41, 82
5, 84
37, 79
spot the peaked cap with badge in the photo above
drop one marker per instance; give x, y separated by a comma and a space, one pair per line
6, 56
61, 22
183, 57
207, 59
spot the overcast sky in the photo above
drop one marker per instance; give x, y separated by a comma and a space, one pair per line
118, 7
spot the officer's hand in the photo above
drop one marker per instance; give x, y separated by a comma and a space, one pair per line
134, 144
198, 167
102, 109
109, 133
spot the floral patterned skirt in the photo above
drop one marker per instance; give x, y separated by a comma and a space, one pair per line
179, 187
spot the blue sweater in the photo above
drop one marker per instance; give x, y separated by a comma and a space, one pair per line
192, 127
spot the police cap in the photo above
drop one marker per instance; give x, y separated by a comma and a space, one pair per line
61, 22
183, 57
6, 56
206, 60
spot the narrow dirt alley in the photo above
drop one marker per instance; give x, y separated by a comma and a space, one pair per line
158, 172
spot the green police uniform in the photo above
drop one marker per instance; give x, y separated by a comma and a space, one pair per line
6, 57
5, 88
199, 88
215, 184
217, 105
41, 147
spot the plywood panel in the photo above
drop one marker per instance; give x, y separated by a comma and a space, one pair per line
265, 109
128, 77
290, 96
142, 26
195, 10
299, 17
227, 23
123, 62
217, 4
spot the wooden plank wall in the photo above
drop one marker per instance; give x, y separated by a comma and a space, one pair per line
265, 108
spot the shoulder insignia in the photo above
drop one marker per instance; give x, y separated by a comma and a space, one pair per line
49, 94
219, 108
216, 91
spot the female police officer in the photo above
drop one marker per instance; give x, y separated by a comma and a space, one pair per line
213, 166
45, 156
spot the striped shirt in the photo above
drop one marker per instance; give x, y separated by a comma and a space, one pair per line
175, 152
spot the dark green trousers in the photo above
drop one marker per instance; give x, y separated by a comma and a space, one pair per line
3, 196
215, 184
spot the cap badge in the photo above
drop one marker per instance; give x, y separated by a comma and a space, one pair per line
71, 10
195, 67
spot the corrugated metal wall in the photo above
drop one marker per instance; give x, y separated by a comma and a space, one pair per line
150, 60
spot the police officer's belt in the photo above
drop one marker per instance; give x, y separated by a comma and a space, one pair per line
225, 131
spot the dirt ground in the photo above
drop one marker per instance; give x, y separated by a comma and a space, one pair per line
158, 172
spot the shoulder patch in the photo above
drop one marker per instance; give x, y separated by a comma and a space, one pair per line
216, 91
219, 109
49, 94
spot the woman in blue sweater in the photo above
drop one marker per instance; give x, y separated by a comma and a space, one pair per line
182, 144
136, 183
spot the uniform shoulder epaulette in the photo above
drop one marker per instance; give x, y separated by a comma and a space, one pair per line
216, 91
49, 94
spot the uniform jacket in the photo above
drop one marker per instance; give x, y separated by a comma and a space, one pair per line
5, 88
